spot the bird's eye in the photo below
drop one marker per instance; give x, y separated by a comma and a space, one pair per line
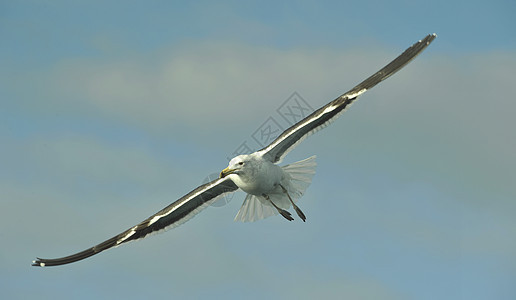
241, 163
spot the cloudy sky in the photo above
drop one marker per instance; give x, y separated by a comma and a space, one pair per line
109, 111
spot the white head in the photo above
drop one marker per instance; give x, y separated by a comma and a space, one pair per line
237, 165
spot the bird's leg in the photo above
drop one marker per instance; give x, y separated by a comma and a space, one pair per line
283, 212
296, 208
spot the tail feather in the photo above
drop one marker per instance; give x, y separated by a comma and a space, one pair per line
301, 174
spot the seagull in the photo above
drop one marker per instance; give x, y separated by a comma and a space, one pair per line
271, 189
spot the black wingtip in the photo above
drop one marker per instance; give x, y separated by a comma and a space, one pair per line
431, 37
38, 263
428, 39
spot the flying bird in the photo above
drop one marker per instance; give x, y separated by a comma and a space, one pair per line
271, 189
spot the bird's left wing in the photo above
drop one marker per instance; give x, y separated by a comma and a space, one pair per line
320, 118
171, 216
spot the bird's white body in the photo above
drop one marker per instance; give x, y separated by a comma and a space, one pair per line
257, 176
268, 184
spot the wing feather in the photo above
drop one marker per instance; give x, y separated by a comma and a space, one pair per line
171, 216
320, 118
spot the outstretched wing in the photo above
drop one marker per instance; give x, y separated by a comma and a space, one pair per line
324, 115
171, 216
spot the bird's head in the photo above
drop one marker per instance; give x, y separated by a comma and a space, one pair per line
237, 166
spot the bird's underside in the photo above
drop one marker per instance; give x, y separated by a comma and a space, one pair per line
187, 206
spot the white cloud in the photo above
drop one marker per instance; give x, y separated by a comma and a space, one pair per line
206, 82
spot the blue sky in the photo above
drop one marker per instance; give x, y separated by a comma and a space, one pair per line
112, 110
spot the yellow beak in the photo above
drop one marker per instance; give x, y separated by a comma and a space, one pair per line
226, 172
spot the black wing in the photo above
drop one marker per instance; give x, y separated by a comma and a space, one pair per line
324, 115
173, 215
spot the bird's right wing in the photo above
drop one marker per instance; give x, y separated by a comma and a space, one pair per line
171, 216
